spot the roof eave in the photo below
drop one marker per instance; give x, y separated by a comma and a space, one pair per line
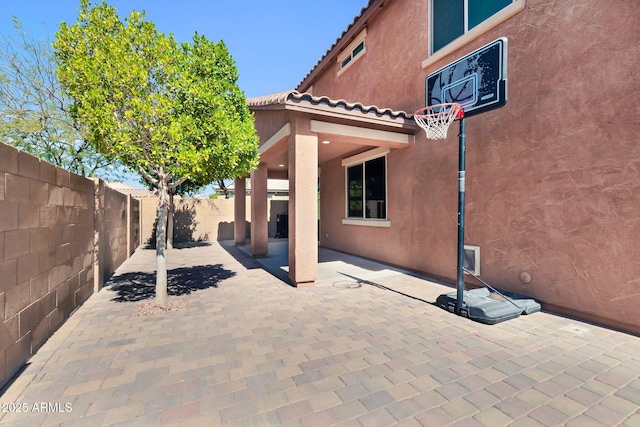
400, 122
355, 115
339, 109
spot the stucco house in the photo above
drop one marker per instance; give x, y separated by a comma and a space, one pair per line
553, 177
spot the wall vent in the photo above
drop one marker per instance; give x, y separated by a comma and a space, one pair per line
472, 259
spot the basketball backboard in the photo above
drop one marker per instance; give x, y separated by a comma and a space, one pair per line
478, 81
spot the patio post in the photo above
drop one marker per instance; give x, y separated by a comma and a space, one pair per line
240, 211
259, 220
303, 205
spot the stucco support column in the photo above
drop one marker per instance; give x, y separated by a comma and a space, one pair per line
240, 211
259, 220
303, 206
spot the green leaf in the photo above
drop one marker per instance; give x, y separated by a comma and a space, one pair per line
153, 103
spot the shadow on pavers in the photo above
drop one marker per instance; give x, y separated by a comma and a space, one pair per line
183, 245
359, 281
139, 286
239, 255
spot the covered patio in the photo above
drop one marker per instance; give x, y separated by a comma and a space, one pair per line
347, 271
298, 133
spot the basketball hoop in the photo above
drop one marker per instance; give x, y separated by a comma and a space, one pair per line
435, 119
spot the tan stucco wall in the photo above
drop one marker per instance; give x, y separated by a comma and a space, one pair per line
553, 179
204, 220
47, 259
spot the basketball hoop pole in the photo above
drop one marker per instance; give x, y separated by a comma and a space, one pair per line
461, 192
471, 85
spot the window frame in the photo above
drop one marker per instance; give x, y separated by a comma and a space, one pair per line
348, 52
362, 159
515, 7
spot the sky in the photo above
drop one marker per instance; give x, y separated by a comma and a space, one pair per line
274, 43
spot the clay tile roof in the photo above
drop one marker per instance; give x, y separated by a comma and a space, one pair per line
293, 97
274, 98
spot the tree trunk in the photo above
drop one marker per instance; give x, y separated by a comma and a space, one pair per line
161, 239
224, 188
170, 222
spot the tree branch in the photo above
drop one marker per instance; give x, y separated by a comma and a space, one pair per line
176, 184
153, 181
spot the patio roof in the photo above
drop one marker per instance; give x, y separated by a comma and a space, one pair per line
344, 127
306, 102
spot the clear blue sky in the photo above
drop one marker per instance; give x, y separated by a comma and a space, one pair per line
274, 43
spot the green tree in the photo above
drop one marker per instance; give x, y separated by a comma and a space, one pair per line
165, 109
34, 112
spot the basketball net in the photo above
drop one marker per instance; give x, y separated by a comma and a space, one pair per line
436, 119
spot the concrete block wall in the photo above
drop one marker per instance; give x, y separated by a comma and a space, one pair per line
48, 232
133, 225
117, 232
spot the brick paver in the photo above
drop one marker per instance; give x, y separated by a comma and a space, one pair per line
250, 350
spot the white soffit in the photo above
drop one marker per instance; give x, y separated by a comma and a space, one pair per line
359, 132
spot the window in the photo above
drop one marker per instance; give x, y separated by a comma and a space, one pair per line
355, 185
352, 52
367, 189
451, 19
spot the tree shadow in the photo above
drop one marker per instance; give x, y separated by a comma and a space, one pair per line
187, 245
184, 223
139, 286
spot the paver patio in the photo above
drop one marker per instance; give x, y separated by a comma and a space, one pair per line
251, 350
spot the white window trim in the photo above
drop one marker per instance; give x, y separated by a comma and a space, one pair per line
367, 222
348, 51
361, 159
367, 155
477, 31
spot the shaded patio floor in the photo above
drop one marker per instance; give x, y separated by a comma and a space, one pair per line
344, 270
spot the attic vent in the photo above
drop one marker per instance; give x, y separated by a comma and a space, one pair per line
353, 52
